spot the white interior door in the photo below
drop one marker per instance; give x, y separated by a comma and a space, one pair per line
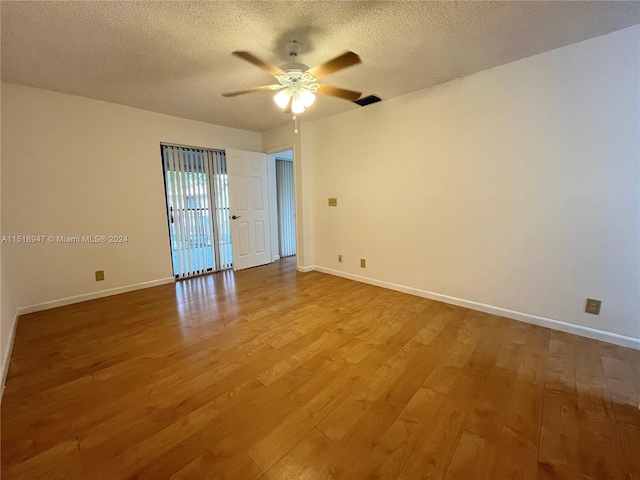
249, 208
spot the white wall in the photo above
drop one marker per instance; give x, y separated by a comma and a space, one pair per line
7, 309
517, 187
76, 166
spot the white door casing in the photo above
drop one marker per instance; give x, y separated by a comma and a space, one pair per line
249, 203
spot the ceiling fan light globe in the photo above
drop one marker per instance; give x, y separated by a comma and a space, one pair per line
307, 98
282, 98
297, 106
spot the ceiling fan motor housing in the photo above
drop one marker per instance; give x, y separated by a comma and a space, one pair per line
289, 67
293, 49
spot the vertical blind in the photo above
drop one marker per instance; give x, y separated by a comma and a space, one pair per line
198, 209
286, 208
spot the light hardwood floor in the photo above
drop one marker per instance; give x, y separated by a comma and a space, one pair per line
273, 374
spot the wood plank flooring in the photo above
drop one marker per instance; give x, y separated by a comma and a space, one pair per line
273, 374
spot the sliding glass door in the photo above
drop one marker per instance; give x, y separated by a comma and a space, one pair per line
197, 209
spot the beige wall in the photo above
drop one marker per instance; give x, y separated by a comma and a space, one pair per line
516, 188
7, 305
76, 166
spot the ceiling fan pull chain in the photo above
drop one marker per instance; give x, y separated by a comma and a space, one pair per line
295, 123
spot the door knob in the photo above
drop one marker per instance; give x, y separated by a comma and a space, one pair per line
235, 216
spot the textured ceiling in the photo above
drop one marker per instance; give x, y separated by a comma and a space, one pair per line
174, 57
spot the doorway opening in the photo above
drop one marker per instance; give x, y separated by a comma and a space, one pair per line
285, 203
197, 195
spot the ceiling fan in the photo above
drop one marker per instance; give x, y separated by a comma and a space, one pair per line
297, 82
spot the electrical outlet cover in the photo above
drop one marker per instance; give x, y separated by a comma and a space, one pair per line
593, 306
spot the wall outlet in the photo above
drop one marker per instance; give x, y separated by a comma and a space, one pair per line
99, 275
363, 263
593, 306
340, 258
333, 202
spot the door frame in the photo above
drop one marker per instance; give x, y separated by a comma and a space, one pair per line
271, 168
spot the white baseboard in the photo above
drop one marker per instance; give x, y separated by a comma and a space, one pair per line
604, 336
306, 269
61, 302
7, 355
